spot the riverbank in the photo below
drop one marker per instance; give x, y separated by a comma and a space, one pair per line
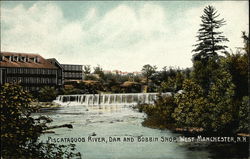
152, 123
189, 131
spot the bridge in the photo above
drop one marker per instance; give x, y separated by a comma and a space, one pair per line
111, 99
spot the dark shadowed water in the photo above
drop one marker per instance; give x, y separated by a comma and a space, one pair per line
113, 124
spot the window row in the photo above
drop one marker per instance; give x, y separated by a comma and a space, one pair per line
32, 80
31, 71
72, 67
73, 74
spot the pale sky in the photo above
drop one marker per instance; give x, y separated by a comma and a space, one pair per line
123, 35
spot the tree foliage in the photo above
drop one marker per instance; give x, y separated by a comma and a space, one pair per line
147, 72
159, 114
192, 106
204, 74
99, 71
47, 94
20, 131
221, 105
173, 84
237, 64
209, 36
244, 117
165, 106
206, 57
86, 69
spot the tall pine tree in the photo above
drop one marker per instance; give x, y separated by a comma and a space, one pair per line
206, 59
209, 37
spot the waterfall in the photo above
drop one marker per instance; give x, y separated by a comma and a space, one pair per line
110, 99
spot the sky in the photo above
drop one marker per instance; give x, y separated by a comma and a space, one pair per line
117, 35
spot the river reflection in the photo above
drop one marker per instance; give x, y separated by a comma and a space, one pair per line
112, 122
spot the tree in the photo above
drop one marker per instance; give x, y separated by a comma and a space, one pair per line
246, 48
204, 74
237, 64
246, 41
47, 94
99, 71
244, 117
86, 70
173, 84
20, 131
221, 104
206, 57
192, 106
214, 111
209, 38
148, 71
159, 114
165, 107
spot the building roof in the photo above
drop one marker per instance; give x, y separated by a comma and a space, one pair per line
13, 59
55, 62
71, 65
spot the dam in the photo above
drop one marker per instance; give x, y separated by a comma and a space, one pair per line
111, 99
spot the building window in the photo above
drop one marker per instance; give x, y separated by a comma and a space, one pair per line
21, 70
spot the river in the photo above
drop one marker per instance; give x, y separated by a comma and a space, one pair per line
113, 124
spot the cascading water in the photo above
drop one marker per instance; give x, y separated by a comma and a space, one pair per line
110, 99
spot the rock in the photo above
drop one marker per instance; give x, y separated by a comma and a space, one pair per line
93, 134
50, 132
61, 126
47, 119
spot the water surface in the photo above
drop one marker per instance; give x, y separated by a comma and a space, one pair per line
120, 122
